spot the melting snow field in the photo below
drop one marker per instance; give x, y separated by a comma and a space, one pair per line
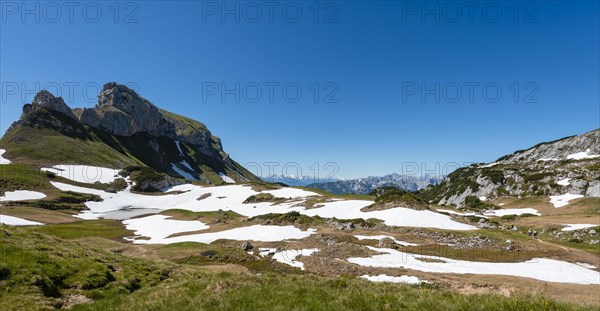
2, 159
16, 221
548, 270
158, 228
231, 198
289, 256
407, 279
573, 227
582, 155
22, 195
381, 237
562, 200
84, 173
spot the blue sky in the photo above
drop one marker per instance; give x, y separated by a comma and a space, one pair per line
369, 60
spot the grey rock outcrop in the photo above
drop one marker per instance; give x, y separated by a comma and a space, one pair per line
46, 100
121, 111
569, 165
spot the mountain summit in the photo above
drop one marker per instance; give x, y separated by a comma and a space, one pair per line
123, 129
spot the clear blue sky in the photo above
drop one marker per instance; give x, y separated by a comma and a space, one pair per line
374, 53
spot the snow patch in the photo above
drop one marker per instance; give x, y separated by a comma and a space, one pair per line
582, 155
488, 165
482, 198
22, 195
226, 178
407, 279
159, 227
291, 193
564, 182
16, 221
2, 159
258, 233
289, 256
84, 173
573, 227
512, 211
381, 237
183, 173
562, 200
179, 147
543, 269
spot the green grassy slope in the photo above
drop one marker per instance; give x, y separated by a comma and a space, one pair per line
44, 272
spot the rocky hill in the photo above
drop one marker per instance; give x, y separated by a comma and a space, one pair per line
123, 129
570, 165
368, 184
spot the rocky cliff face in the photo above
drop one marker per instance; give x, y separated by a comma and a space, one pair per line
133, 127
569, 165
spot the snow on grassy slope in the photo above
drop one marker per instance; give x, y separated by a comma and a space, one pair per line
258, 233
291, 193
2, 159
399, 216
84, 173
158, 227
381, 237
16, 221
407, 279
562, 200
230, 198
548, 270
289, 256
573, 227
22, 195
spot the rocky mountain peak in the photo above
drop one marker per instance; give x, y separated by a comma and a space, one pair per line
46, 100
121, 111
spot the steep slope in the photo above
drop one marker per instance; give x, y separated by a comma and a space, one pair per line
123, 129
567, 166
368, 184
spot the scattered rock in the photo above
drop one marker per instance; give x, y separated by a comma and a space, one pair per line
246, 246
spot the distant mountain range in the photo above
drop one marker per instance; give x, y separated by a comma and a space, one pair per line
368, 184
298, 181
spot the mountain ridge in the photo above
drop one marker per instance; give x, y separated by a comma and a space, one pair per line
123, 129
570, 165
367, 184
